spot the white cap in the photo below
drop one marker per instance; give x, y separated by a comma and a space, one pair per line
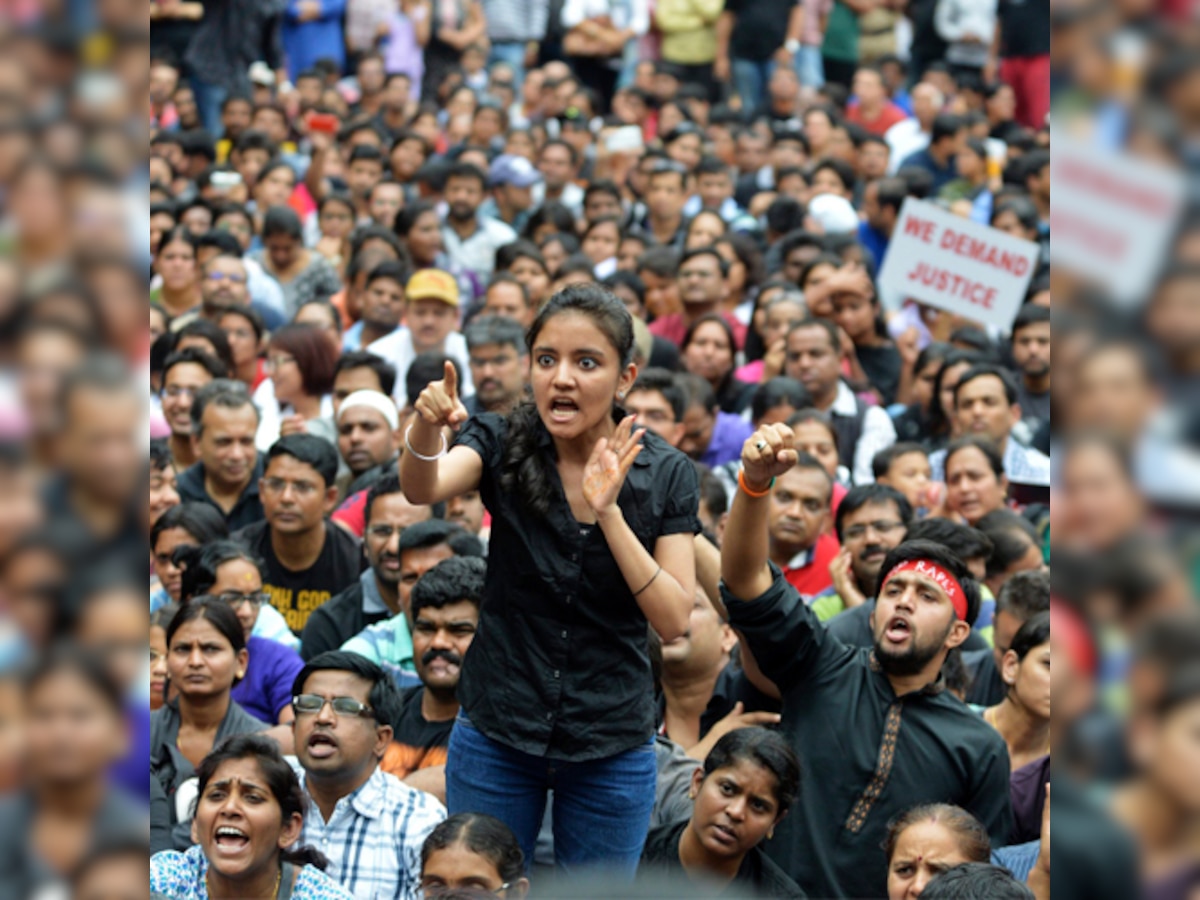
381, 403
835, 213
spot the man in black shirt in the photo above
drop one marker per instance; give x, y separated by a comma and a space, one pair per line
306, 559
1031, 353
876, 731
224, 423
1024, 596
376, 594
445, 611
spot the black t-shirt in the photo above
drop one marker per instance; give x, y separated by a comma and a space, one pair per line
1024, 27
882, 366
757, 873
760, 28
417, 743
297, 594
332, 624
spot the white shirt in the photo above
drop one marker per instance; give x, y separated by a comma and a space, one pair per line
904, 138
397, 348
878, 432
270, 414
572, 197
477, 254
633, 14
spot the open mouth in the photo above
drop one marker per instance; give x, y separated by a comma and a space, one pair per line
230, 839
898, 630
563, 410
724, 835
322, 746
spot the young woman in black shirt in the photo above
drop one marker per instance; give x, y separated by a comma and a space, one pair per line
592, 537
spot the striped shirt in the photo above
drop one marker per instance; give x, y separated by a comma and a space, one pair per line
373, 840
1024, 465
516, 21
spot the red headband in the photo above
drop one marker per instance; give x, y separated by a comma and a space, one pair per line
942, 578
1072, 634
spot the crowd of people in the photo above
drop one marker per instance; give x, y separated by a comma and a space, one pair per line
545, 495
538, 466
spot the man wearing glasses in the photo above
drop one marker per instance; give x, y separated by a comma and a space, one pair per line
346, 707
306, 559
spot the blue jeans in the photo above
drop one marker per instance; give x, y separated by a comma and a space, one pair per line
810, 67
601, 808
750, 79
209, 98
513, 53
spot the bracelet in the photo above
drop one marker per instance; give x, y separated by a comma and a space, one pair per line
747, 489
648, 583
408, 445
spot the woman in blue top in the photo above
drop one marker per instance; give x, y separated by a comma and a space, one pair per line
592, 537
249, 807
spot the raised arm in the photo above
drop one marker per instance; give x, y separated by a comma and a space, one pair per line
428, 473
768, 452
663, 583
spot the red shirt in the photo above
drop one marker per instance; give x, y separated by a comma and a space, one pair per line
890, 115
811, 573
674, 328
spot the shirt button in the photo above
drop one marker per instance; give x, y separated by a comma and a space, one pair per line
556, 673
564, 634
549, 716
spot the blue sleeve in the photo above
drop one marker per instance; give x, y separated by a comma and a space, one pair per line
287, 666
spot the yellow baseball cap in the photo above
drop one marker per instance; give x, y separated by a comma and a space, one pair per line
432, 284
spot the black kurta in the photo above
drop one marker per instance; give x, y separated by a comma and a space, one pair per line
866, 755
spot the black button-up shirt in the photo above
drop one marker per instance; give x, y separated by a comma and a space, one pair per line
246, 511
559, 666
866, 755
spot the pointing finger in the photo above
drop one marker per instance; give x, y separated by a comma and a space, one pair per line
451, 381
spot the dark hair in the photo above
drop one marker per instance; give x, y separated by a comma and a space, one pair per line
280, 778
602, 186
467, 170
109, 847
281, 220
798, 238
101, 371
882, 462
824, 258
397, 270
697, 392
160, 454
364, 359
335, 197
766, 749
316, 357
776, 391
523, 471
629, 280
212, 333
201, 520
250, 314
784, 215
839, 167
984, 445
868, 494
428, 367
225, 393
830, 329
945, 125
728, 381
1030, 314
81, 661
451, 580
508, 254
891, 192
976, 881
200, 564
915, 549
980, 370
660, 261
430, 533
553, 213
483, 836
963, 541
820, 417
1022, 207
663, 382
722, 265
973, 841
498, 330
1011, 535
384, 697
222, 241
1182, 687
365, 151
1032, 634
218, 613
935, 350
712, 493
938, 423
309, 449
407, 217
502, 277
195, 355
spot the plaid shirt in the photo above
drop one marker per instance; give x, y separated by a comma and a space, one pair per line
374, 838
1024, 465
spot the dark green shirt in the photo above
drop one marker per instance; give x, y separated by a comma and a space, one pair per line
866, 755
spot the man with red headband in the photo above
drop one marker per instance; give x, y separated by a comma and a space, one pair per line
876, 731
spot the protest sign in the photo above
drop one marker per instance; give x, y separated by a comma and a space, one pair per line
1112, 216
952, 263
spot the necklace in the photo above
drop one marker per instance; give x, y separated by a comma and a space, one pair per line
274, 892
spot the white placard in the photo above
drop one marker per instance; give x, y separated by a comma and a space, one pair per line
954, 264
1112, 216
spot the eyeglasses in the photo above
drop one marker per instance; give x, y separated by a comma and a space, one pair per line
235, 599
854, 532
225, 276
278, 362
433, 891
384, 532
311, 704
178, 390
278, 486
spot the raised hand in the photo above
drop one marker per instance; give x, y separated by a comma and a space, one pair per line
767, 453
843, 580
609, 464
439, 405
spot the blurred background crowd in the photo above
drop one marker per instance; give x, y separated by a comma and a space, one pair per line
299, 166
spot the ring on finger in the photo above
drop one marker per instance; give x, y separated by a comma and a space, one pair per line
760, 446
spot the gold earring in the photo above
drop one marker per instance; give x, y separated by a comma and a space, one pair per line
691, 795
771, 834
